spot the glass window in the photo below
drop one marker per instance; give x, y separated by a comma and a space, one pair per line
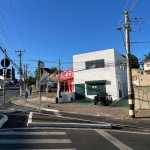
94, 64
148, 65
95, 89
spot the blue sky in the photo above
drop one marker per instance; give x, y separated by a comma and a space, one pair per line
58, 29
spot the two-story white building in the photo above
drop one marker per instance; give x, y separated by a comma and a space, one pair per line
103, 70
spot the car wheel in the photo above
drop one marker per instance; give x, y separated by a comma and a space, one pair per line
110, 100
107, 102
95, 103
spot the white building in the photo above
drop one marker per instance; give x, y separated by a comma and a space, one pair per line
103, 70
147, 67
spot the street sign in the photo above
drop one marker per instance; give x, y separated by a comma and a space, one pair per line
7, 63
40, 64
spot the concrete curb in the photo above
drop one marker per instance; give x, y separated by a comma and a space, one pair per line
69, 125
66, 125
7, 111
3, 120
42, 108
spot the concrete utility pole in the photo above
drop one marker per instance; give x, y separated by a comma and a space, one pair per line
20, 70
58, 83
26, 77
129, 73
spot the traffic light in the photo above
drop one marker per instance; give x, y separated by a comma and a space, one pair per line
1, 72
8, 73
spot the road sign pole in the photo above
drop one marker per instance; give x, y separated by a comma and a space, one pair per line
4, 79
40, 93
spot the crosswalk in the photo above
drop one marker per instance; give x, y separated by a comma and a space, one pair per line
35, 141
24, 108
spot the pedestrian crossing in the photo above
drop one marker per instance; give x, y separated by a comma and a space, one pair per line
35, 141
25, 108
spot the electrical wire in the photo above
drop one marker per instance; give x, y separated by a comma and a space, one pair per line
123, 11
10, 59
133, 5
8, 30
17, 24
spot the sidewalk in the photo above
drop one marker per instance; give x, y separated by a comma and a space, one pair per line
117, 110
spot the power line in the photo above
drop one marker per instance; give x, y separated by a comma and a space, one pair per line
8, 30
17, 24
133, 5
10, 59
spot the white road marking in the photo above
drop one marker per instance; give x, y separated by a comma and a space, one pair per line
31, 141
57, 114
44, 149
113, 140
30, 118
33, 133
128, 132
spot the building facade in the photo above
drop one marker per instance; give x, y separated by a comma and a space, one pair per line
136, 73
103, 70
144, 80
147, 67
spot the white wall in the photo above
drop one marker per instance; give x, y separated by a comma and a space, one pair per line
146, 66
108, 73
66, 97
121, 73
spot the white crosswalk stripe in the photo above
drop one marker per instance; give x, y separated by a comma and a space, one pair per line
24, 108
32, 133
43, 149
33, 139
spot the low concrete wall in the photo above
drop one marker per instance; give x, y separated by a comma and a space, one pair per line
66, 97
142, 97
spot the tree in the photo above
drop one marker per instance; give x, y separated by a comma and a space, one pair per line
147, 57
37, 72
53, 69
31, 81
134, 61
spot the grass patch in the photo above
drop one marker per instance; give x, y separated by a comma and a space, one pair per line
13, 99
120, 103
82, 102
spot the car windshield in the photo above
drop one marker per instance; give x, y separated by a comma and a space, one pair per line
102, 94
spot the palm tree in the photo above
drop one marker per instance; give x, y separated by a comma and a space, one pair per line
134, 61
37, 73
147, 57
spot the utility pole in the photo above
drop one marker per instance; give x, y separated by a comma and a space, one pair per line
58, 83
4, 79
20, 70
26, 78
129, 73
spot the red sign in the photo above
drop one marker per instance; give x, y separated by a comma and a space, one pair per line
66, 75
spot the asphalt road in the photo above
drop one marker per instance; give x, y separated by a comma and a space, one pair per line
117, 122
16, 135
9, 93
73, 139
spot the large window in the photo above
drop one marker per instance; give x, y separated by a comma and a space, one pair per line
94, 64
94, 89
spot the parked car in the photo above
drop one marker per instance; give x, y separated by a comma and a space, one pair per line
102, 97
